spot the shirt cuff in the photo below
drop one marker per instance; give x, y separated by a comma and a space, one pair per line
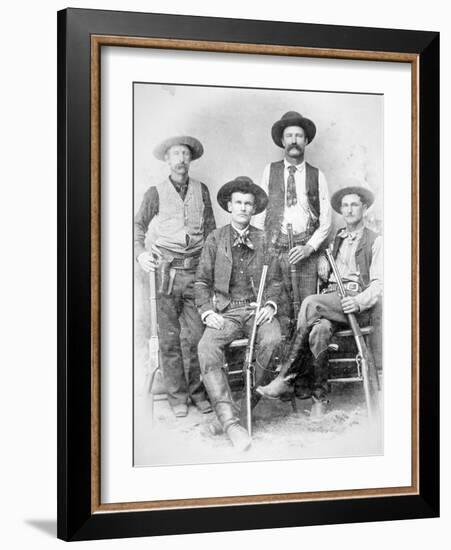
313, 243
205, 314
361, 302
273, 304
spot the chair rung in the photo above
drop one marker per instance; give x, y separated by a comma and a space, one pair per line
238, 343
343, 360
346, 333
353, 379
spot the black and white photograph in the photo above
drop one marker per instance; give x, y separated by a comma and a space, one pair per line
258, 274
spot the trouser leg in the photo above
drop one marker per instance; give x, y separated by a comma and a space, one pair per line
306, 278
268, 339
319, 339
211, 359
312, 310
169, 308
194, 330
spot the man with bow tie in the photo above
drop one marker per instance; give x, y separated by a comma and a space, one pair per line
358, 254
298, 195
226, 287
179, 209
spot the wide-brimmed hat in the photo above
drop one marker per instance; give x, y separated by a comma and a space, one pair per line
292, 118
364, 193
242, 184
194, 144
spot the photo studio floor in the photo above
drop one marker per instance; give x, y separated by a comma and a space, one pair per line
279, 433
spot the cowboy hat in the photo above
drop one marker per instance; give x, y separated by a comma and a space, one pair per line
194, 145
292, 118
365, 194
242, 184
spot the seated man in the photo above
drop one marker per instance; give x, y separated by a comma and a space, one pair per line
226, 286
358, 254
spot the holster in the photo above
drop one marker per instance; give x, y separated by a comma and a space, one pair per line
166, 276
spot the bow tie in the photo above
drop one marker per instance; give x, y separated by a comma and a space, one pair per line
351, 236
244, 240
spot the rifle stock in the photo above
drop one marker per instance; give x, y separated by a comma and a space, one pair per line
366, 361
248, 363
153, 364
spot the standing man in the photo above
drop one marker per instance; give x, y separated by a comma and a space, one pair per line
183, 217
358, 254
227, 282
298, 195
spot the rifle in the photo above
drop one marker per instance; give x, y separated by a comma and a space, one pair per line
154, 358
293, 275
363, 356
249, 369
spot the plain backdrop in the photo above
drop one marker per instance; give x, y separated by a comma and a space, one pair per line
28, 273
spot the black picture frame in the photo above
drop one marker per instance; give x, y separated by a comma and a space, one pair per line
77, 517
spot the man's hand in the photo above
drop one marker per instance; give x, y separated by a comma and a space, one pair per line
214, 320
149, 261
323, 268
350, 305
299, 252
265, 314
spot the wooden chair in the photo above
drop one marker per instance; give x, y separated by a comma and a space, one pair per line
345, 364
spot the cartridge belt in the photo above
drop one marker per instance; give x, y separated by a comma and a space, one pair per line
351, 286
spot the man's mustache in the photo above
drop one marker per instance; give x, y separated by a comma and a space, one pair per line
290, 147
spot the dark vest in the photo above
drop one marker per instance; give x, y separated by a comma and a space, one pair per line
224, 263
276, 193
363, 254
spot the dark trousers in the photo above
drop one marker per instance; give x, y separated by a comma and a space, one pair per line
173, 308
238, 324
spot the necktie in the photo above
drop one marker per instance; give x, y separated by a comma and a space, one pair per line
291, 187
244, 240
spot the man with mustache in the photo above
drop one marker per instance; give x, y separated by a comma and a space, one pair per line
182, 215
298, 195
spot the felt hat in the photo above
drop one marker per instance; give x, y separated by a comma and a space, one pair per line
292, 118
365, 194
194, 144
242, 184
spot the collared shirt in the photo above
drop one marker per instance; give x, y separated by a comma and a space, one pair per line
300, 214
349, 270
181, 188
240, 232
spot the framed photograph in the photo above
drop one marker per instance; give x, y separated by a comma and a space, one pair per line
248, 274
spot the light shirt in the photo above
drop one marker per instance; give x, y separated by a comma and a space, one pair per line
299, 214
350, 272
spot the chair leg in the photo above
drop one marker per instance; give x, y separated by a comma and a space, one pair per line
294, 404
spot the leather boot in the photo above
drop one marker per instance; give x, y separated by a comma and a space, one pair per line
218, 388
239, 437
318, 409
320, 367
288, 371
